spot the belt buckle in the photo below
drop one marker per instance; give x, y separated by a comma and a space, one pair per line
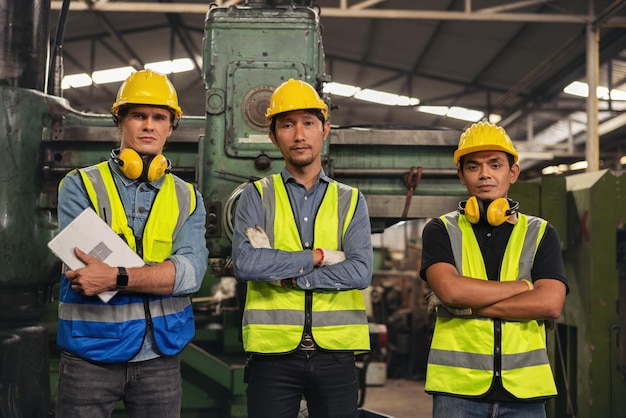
307, 343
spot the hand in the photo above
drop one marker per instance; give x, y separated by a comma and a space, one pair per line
433, 302
96, 277
330, 257
258, 238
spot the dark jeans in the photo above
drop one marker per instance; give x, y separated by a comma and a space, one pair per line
149, 389
453, 407
327, 380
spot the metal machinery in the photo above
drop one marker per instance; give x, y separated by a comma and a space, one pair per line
404, 174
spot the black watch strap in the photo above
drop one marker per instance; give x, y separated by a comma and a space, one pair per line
122, 278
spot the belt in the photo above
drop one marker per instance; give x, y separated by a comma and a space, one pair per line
307, 343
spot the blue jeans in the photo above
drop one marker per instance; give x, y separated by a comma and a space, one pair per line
149, 389
453, 407
277, 383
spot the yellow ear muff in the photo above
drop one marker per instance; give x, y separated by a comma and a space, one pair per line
158, 165
473, 209
498, 211
132, 166
130, 163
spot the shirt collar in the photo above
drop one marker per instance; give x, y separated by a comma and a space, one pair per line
288, 177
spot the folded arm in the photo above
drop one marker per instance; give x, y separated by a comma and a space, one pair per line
506, 300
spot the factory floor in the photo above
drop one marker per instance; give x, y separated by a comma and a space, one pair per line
399, 398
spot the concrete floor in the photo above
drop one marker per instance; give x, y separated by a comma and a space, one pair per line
399, 398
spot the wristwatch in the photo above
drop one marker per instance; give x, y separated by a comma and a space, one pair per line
122, 278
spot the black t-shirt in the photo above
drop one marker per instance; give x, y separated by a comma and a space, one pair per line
548, 262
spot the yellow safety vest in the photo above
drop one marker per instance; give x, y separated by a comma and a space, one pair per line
274, 317
174, 203
461, 359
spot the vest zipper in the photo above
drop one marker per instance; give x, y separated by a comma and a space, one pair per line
497, 361
308, 313
146, 308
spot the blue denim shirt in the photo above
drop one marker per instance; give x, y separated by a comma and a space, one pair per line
270, 264
189, 251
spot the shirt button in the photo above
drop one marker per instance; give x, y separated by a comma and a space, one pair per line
305, 198
306, 219
489, 234
142, 209
306, 244
301, 270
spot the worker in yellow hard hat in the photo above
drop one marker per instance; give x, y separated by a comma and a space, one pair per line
302, 243
122, 327
497, 276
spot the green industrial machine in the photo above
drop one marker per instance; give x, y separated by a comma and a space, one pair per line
404, 174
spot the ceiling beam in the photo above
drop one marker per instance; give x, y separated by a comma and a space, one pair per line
360, 11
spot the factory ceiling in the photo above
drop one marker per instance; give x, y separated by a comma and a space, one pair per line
509, 60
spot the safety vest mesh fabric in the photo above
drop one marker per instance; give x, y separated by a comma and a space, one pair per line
114, 331
274, 317
461, 358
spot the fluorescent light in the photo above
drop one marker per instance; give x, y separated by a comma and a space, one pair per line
113, 75
579, 165
168, 67
369, 95
495, 119
339, 89
456, 112
618, 94
463, 113
120, 74
382, 97
75, 81
551, 169
433, 110
578, 88
407, 101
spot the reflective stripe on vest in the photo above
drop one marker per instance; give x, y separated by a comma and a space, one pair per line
114, 332
339, 320
465, 366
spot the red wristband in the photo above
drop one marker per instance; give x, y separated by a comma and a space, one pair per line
319, 264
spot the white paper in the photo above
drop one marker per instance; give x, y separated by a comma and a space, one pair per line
95, 237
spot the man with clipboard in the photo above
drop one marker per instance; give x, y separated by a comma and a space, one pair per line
128, 348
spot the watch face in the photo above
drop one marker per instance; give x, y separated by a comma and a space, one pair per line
122, 277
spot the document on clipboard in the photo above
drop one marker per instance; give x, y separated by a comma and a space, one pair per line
95, 237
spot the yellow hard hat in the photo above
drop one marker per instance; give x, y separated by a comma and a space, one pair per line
147, 87
484, 136
295, 95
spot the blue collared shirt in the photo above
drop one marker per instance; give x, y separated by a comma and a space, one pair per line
270, 264
189, 251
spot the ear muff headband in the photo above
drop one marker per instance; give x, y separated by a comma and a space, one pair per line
132, 165
496, 214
